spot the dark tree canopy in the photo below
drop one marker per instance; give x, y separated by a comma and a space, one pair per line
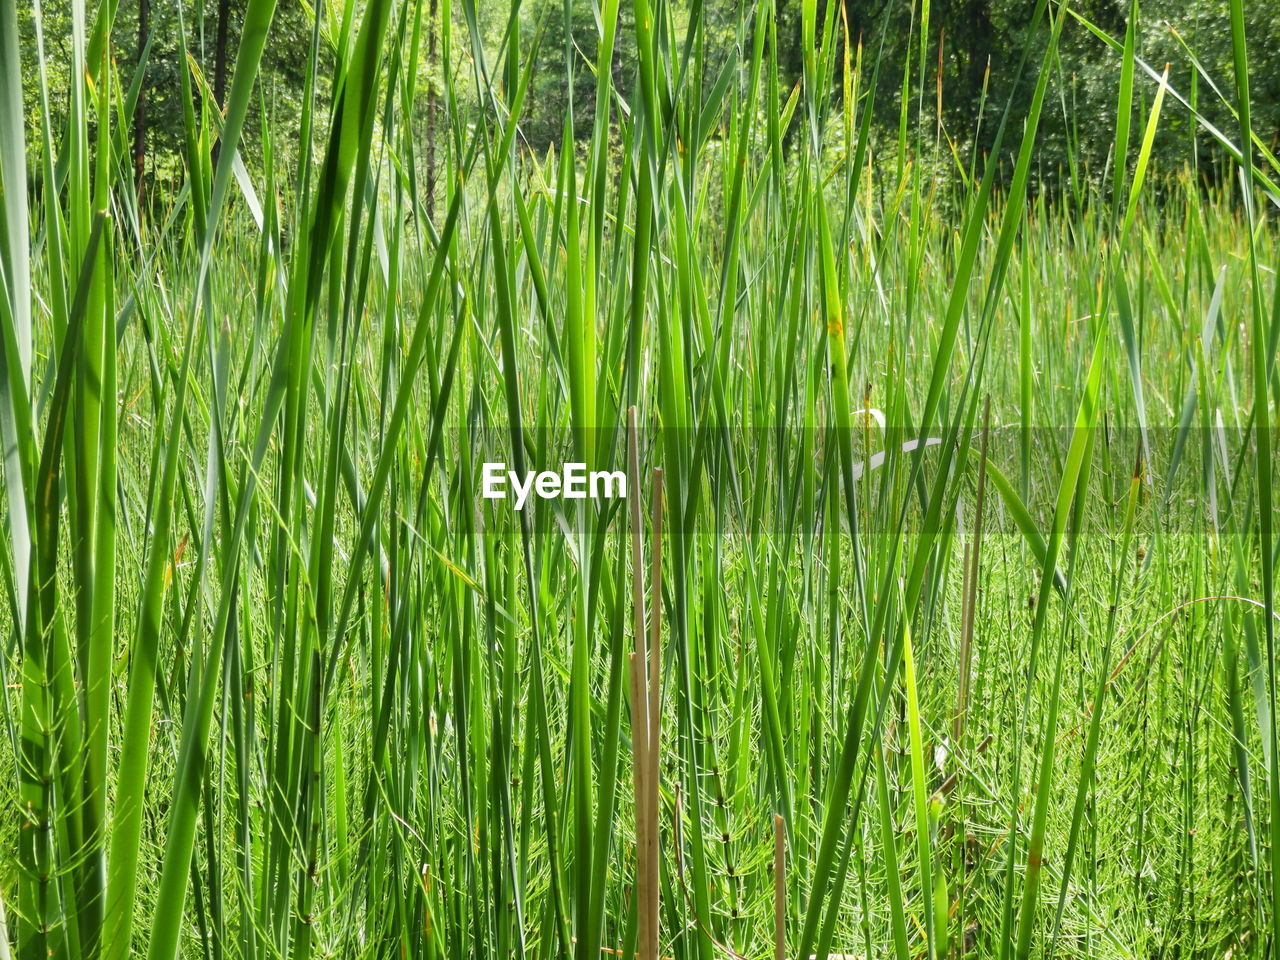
969, 63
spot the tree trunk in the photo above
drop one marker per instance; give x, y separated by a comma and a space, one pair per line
220, 68
980, 31
220, 53
140, 110
431, 112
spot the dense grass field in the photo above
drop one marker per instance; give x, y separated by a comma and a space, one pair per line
939, 620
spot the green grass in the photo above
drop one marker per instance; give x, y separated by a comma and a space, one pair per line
950, 528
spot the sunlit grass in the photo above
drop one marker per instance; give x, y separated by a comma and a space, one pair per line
958, 557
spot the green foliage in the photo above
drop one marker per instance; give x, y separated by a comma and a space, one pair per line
970, 43
949, 551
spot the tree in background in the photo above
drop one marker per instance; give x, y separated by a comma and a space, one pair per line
140, 110
143, 28
968, 69
220, 51
966, 37
433, 31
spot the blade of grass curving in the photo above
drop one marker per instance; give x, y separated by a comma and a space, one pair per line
15, 278
1260, 369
